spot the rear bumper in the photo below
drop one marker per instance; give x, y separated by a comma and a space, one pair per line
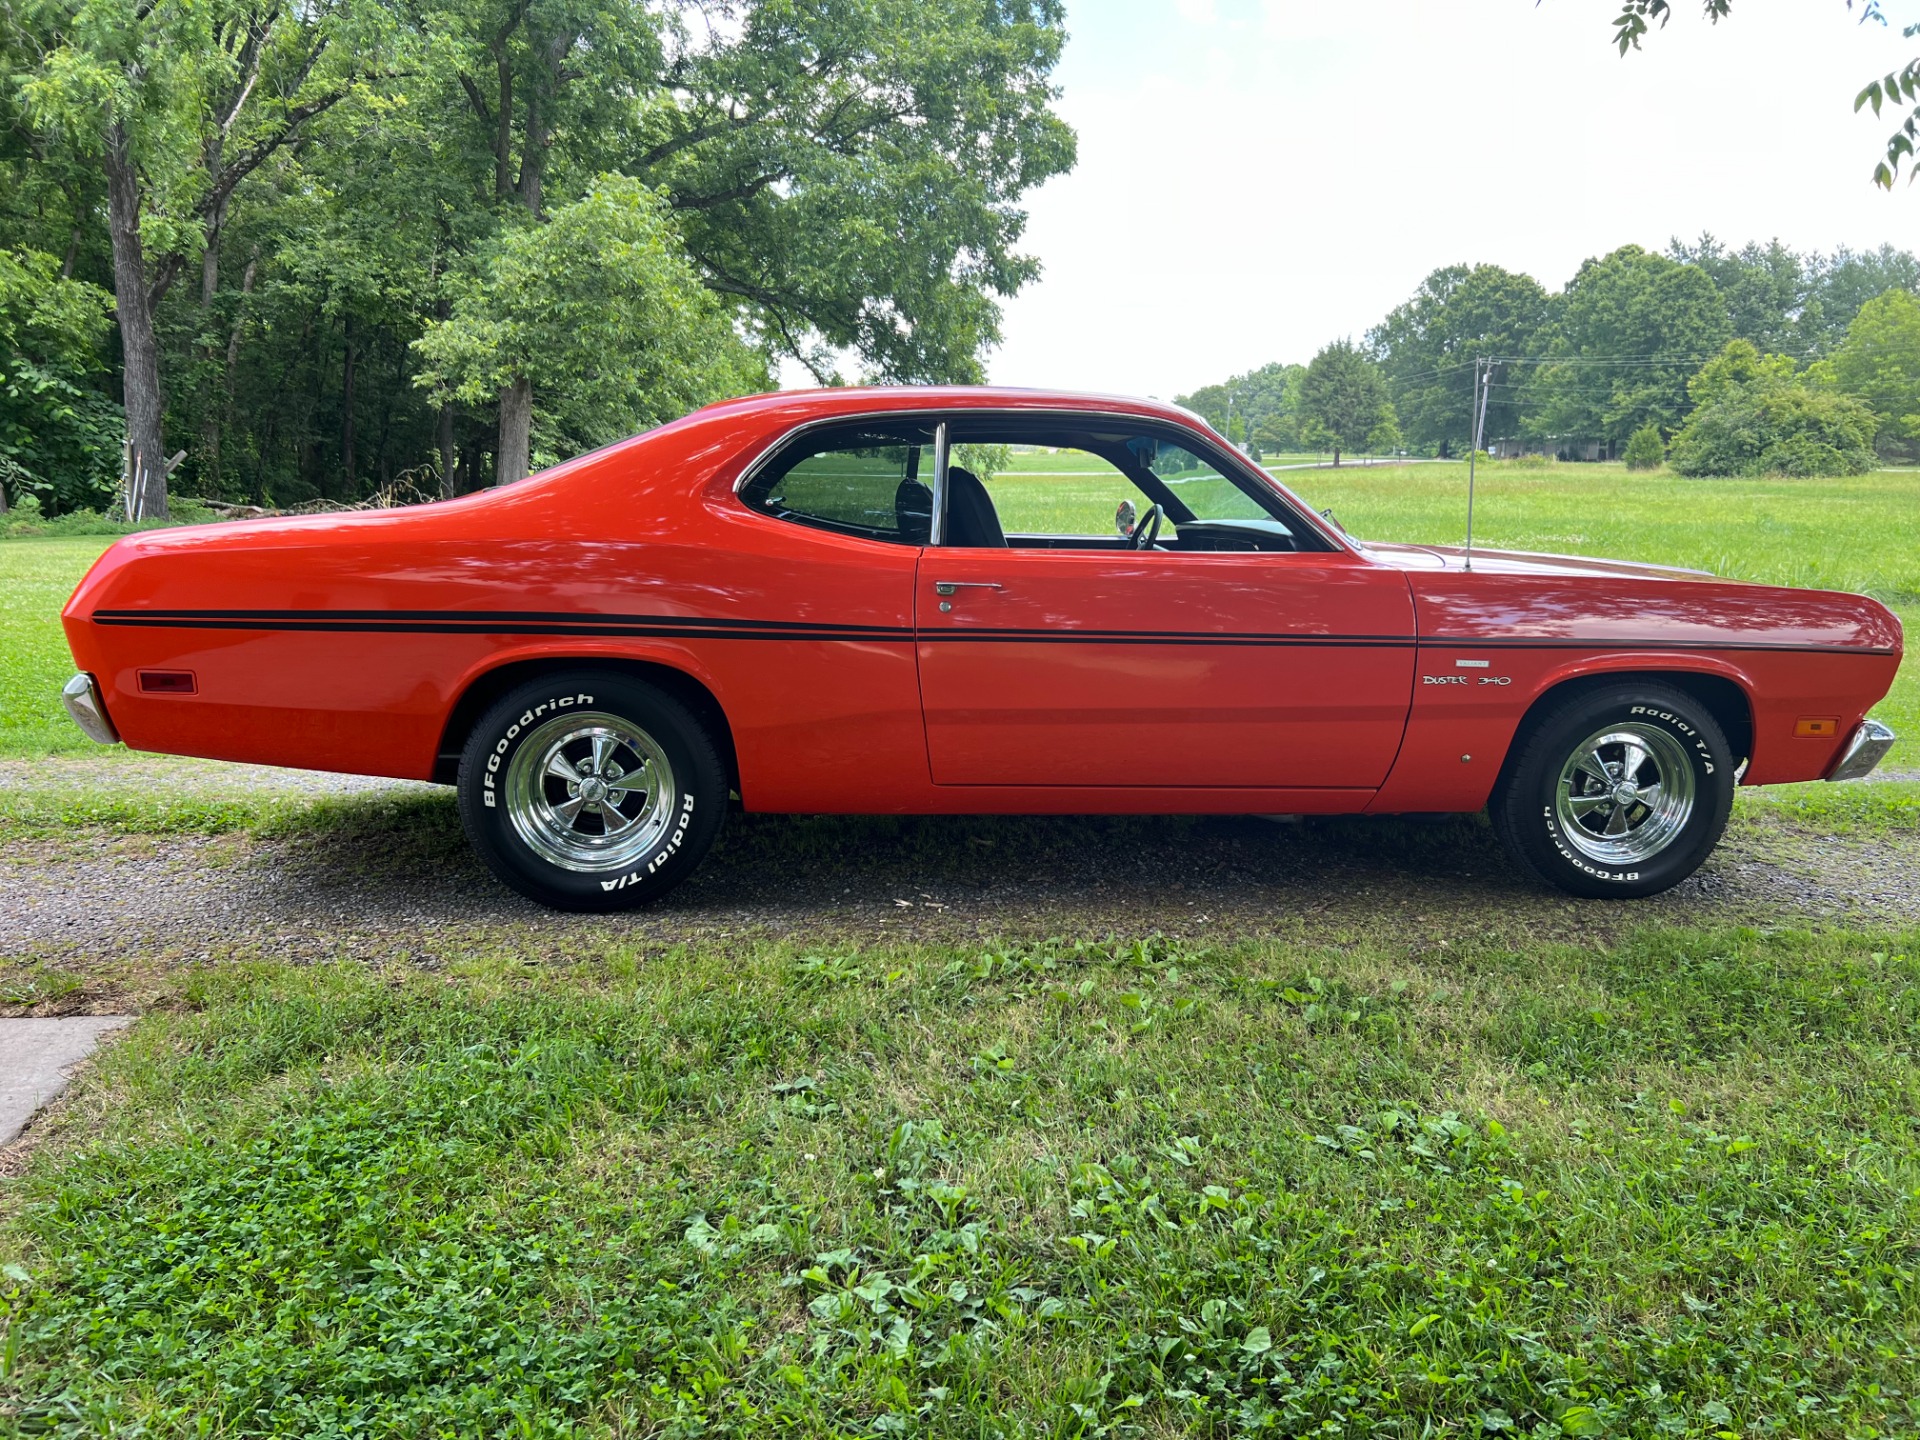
1869, 745
82, 699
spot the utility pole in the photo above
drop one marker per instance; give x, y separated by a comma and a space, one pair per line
1482, 382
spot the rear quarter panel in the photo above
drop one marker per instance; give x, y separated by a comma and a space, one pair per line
360, 660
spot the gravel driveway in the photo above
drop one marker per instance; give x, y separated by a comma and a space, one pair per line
386, 876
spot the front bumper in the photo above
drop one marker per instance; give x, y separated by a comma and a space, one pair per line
82, 699
1869, 745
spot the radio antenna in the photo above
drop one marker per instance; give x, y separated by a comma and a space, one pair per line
1482, 383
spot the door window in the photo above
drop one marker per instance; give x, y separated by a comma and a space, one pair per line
1062, 487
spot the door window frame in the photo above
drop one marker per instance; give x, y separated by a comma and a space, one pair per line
1227, 461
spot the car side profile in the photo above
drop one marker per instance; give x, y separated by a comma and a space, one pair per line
964, 600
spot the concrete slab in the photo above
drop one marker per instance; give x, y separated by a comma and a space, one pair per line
36, 1057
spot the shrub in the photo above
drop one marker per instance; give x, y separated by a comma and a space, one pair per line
60, 432
1645, 449
1774, 427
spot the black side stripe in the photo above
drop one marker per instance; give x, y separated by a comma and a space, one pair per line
690, 627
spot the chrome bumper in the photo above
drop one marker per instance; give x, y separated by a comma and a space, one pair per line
1870, 743
82, 699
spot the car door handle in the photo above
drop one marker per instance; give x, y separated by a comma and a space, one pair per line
949, 587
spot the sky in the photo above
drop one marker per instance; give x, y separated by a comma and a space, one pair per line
1259, 177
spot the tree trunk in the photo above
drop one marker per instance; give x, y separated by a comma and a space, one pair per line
146, 453
444, 438
346, 416
1336, 457
503, 128
533, 157
216, 219
516, 431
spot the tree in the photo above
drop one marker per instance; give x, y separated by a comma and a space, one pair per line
1844, 281
1757, 417
1765, 288
847, 179
1739, 364
178, 104
597, 318
1427, 347
853, 172
1645, 449
1343, 398
1263, 405
1880, 365
1629, 330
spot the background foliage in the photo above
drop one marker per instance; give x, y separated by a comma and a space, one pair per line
1621, 350
842, 182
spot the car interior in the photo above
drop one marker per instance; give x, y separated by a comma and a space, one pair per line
1159, 486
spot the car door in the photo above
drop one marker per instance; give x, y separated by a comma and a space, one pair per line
1045, 665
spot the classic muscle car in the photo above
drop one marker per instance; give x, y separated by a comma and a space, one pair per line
855, 601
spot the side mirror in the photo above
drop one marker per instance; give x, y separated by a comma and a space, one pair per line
1124, 518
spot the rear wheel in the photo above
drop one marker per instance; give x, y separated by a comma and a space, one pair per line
1621, 791
590, 791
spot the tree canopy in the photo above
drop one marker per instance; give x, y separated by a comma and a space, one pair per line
1426, 348
844, 183
1635, 344
1880, 363
1627, 333
1343, 398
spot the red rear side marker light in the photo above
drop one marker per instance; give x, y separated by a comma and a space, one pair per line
167, 682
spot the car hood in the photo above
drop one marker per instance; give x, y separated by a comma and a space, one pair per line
1519, 562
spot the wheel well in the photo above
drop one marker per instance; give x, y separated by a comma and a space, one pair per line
487, 688
1721, 698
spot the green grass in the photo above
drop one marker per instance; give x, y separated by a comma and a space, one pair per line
36, 576
1061, 1189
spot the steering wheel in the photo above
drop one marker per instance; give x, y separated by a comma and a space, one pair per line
1147, 529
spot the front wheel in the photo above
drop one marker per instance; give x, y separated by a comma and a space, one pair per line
590, 791
1619, 792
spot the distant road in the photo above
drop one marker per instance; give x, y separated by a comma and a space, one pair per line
1362, 464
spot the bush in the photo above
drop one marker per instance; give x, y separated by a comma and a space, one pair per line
1645, 449
1533, 460
27, 518
60, 432
1777, 428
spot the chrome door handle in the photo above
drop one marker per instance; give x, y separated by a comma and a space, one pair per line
949, 587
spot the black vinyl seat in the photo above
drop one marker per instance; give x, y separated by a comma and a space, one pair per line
972, 522
913, 512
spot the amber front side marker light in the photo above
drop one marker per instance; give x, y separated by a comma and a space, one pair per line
1820, 727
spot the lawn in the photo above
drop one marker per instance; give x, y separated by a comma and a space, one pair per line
1667, 1187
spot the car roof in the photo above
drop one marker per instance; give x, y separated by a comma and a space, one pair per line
865, 399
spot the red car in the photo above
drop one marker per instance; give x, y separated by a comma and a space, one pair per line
855, 601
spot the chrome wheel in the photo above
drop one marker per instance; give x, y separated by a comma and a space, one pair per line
1625, 794
590, 792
